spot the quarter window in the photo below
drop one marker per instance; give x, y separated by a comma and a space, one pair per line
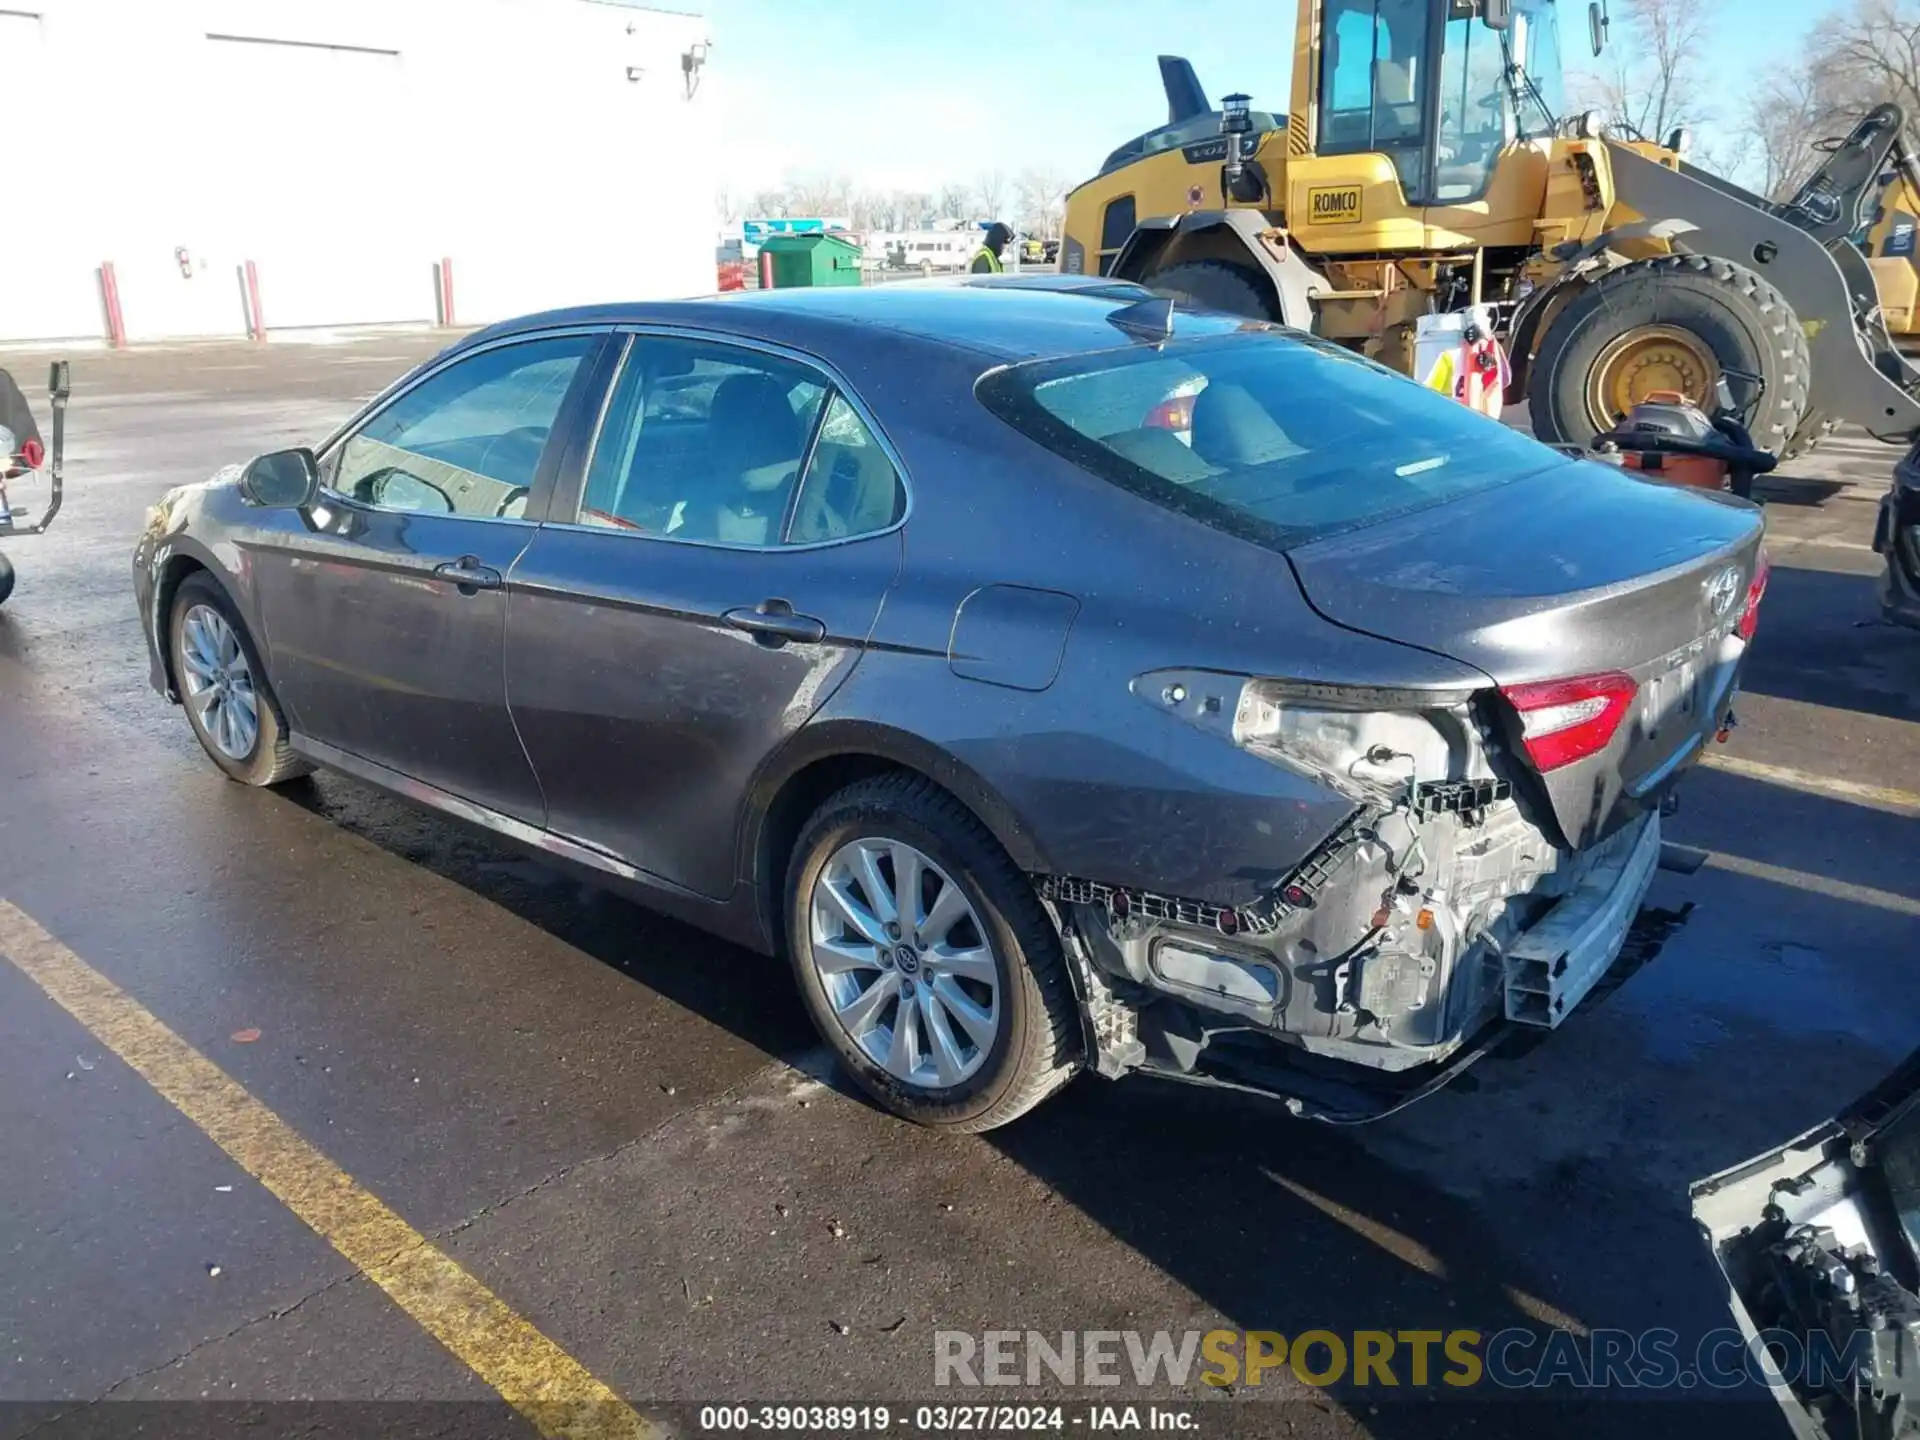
712, 443
467, 441
850, 487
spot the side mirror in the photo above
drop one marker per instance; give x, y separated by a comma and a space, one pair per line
1496, 14
59, 380
284, 480
1596, 26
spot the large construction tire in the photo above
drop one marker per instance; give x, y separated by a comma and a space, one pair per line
1815, 426
1217, 285
1675, 322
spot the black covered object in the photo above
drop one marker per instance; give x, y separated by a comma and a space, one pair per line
15, 414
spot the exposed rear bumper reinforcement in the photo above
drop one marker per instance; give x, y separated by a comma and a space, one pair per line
1556, 961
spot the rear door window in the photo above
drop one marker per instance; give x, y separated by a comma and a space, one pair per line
703, 442
1272, 436
717, 443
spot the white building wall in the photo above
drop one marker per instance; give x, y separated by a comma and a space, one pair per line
346, 147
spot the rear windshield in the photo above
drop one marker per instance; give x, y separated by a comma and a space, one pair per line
1267, 434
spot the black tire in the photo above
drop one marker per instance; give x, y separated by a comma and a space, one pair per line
1746, 324
1815, 426
1217, 285
6, 579
271, 760
1036, 1048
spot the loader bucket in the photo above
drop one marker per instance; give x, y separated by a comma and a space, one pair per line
1858, 373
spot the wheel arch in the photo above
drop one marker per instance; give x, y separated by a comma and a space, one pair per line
1243, 237
170, 572
826, 757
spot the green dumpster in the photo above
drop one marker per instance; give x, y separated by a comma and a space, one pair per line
814, 258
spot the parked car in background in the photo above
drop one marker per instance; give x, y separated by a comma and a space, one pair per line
1819, 1242
1896, 535
1057, 680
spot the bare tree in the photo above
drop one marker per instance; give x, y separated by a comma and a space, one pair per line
995, 193
820, 195
728, 205
1655, 79
1043, 200
1868, 53
1786, 116
1871, 53
955, 202
916, 210
771, 204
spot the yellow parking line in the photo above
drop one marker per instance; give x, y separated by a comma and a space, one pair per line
531, 1373
1876, 797
1815, 884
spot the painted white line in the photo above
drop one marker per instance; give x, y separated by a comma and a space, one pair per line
1874, 797
1786, 542
1815, 884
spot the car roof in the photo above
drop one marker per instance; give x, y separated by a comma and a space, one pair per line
1000, 318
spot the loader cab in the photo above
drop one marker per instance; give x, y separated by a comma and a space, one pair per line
1436, 90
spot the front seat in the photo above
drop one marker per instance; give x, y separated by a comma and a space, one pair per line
756, 458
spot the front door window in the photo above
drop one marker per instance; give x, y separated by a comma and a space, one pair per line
467, 441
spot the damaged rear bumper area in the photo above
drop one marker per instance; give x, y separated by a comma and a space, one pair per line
1415, 938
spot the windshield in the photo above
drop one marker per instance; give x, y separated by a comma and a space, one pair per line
1266, 434
1484, 105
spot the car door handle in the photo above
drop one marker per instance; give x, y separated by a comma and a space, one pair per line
773, 623
469, 574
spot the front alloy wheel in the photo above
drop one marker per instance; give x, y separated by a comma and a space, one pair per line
905, 963
229, 700
217, 683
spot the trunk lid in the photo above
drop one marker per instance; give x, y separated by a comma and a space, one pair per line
1576, 570
1820, 1240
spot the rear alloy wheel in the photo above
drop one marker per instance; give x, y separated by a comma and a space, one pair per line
926, 960
1674, 323
223, 687
920, 998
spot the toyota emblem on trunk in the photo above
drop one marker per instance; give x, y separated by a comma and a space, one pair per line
1721, 590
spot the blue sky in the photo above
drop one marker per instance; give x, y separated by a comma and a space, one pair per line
907, 93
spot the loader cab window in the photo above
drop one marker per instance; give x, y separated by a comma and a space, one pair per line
1373, 83
1483, 108
1116, 226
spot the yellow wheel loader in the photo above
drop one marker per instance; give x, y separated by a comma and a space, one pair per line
1891, 243
1426, 162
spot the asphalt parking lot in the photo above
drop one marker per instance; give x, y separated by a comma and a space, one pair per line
622, 1133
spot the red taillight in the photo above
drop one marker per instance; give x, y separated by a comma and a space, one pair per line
1750, 617
1174, 414
1567, 720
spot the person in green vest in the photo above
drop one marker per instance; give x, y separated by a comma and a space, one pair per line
987, 261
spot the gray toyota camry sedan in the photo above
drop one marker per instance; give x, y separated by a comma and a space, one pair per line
1057, 680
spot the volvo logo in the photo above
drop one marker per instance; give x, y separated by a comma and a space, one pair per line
1722, 590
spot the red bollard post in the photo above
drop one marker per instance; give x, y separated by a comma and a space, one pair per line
256, 321
445, 296
766, 270
110, 297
